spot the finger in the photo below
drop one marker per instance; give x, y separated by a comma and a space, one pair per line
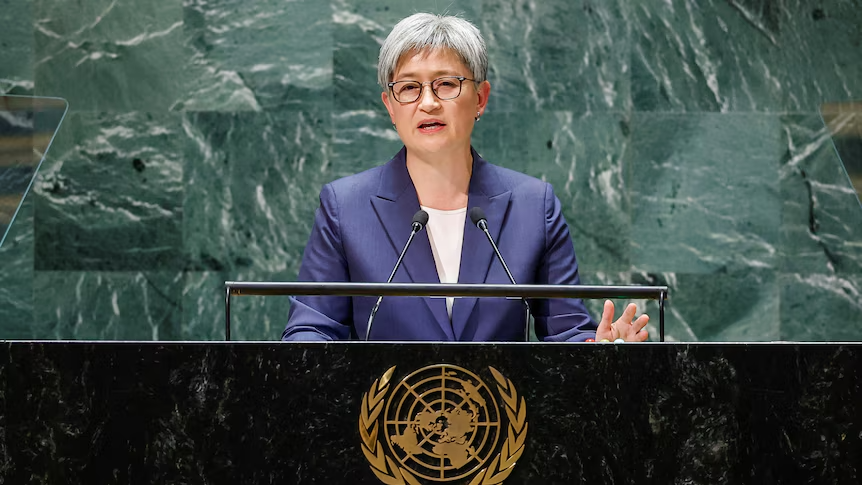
641, 336
605, 331
639, 331
622, 328
628, 314
641, 323
608, 312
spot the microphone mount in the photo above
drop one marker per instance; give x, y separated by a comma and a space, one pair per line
420, 219
477, 216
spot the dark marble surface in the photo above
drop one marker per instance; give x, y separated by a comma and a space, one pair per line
287, 413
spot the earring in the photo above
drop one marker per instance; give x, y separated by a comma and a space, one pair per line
478, 115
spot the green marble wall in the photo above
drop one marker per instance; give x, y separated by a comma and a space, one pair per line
682, 137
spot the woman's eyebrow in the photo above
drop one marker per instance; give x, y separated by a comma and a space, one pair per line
436, 74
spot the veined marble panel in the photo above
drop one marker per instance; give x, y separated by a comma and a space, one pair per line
821, 220
744, 55
362, 140
16, 77
259, 55
105, 55
723, 307
252, 317
583, 158
252, 184
16, 278
747, 217
359, 28
109, 196
90, 305
16, 47
17, 21
705, 192
821, 307
732, 306
571, 56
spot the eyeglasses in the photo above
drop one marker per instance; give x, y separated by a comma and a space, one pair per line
444, 88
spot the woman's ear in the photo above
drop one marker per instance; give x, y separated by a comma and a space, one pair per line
385, 97
484, 91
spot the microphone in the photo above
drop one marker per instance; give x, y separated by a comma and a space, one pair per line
477, 215
419, 220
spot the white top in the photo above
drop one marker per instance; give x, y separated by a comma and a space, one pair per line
446, 233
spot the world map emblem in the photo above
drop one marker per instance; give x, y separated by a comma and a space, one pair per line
442, 423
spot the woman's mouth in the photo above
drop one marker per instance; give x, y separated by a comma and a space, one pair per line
431, 126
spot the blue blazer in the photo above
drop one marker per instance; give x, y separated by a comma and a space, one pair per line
363, 223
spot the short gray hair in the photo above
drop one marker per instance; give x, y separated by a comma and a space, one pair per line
423, 31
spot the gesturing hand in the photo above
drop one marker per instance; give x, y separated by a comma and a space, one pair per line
624, 328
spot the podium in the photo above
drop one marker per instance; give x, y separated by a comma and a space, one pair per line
525, 292
302, 413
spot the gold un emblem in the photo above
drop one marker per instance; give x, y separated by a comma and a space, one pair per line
442, 423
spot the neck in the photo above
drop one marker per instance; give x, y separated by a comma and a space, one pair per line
442, 182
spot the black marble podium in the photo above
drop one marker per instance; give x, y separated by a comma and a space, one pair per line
247, 413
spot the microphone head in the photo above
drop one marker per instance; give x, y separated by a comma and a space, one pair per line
477, 215
420, 218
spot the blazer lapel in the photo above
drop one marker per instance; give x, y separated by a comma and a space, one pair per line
487, 192
395, 203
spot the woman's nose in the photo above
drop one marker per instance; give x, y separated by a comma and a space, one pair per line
427, 99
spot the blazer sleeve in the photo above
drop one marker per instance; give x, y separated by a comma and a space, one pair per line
322, 317
560, 319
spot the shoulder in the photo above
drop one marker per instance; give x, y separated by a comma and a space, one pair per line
362, 183
386, 180
517, 180
354, 190
519, 184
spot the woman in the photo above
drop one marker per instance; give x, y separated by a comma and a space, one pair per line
432, 70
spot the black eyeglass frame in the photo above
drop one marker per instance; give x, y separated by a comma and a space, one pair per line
430, 84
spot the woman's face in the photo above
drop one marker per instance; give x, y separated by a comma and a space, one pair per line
429, 125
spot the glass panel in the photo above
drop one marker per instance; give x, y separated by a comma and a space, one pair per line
27, 128
844, 122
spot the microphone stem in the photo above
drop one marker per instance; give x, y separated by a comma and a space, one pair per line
499, 256
391, 276
484, 228
401, 256
371, 317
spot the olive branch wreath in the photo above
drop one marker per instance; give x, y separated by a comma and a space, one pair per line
390, 473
